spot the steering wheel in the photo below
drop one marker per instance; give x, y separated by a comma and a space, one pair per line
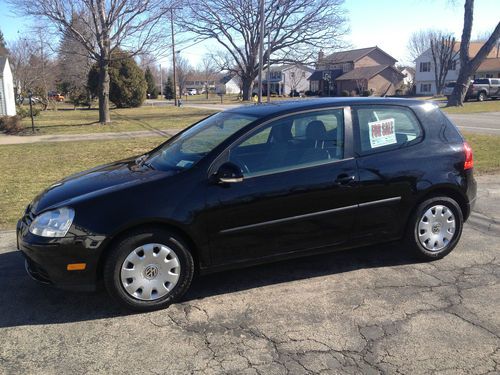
239, 162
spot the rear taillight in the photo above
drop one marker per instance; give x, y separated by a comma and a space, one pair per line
469, 159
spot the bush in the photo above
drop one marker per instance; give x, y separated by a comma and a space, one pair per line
127, 83
24, 111
11, 124
311, 93
344, 93
366, 93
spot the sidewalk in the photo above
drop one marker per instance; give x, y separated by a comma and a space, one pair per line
15, 139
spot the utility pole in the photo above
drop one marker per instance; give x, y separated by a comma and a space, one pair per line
173, 54
261, 48
161, 82
269, 65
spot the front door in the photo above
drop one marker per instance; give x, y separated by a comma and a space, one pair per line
298, 193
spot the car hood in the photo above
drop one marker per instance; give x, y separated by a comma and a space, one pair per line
93, 182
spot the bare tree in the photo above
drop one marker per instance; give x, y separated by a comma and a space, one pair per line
468, 65
32, 66
444, 57
420, 41
295, 77
132, 25
183, 70
298, 28
208, 70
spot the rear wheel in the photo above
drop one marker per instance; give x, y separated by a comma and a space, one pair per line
435, 228
148, 269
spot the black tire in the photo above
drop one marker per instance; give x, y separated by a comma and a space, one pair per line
481, 97
412, 234
125, 246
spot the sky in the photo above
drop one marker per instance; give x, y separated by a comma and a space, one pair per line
384, 23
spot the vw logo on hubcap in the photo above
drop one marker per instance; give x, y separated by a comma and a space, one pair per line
151, 271
436, 228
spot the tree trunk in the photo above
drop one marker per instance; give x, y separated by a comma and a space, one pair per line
247, 87
469, 66
104, 116
460, 89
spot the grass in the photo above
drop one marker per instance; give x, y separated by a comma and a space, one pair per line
28, 169
81, 121
486, 149
476, 107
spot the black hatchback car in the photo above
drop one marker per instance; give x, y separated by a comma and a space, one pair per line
254, 184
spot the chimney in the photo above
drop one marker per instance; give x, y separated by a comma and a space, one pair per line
321, 55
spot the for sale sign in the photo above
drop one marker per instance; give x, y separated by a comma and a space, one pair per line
382, 133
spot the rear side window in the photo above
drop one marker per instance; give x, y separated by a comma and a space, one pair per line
381, 128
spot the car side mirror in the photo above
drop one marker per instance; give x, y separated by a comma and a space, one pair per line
229, 173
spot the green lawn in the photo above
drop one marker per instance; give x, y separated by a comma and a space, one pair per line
486, 150
27, 169
475, 107
80, 121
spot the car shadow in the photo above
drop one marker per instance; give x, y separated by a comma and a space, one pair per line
26, 302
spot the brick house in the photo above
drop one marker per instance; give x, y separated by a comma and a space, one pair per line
356, 71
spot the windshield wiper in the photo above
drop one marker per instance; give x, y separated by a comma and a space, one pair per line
141, 160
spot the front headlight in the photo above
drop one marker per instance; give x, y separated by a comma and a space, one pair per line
54, 223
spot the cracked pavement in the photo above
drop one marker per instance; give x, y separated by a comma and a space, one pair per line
372, 310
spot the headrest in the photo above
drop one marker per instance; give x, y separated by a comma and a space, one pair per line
316, 130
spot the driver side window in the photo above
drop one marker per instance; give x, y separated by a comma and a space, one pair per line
296, 141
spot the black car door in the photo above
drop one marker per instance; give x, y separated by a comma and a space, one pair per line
299, 189
387, 143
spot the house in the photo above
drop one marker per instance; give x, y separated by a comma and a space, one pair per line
287, 78
355, 71
424, 77
227, 84
200, 82
7, 98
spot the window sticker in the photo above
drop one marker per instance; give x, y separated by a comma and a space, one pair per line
382, 133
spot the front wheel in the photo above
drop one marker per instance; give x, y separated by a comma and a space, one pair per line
435, 228
481, 97
148, 269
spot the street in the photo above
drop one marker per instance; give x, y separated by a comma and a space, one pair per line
372, 310
484, 123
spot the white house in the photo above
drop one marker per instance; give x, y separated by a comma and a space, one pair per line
424, 76
228, 84
7, 98
283, 79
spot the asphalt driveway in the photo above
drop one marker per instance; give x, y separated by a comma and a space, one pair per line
373, 310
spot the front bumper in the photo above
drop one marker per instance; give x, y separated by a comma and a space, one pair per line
47, 259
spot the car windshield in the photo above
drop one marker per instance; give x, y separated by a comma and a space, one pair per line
192, 145
451, 84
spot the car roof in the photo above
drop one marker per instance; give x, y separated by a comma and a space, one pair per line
286, 106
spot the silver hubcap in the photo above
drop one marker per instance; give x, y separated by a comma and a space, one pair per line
436, 228
150, 271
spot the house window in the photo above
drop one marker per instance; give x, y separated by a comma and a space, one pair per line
425, 66
425, 87
452, 65
292, 74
